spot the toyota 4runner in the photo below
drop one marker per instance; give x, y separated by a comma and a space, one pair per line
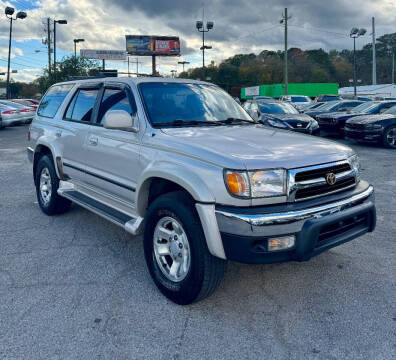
182, 162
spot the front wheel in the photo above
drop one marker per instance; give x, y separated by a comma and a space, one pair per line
389, 139
176, 252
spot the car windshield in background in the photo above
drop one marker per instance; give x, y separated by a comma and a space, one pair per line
181, 104
365, 108
329, 106
300, 99
281, 108
391, 111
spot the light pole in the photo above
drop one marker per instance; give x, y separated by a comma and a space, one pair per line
9, 11
75, 46
183, 63
391, 50
173, 73
62, 22
355, 33
201, 28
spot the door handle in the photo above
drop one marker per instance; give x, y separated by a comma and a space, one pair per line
58, 133
93, 141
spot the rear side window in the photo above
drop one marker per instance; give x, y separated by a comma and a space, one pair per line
81, 107
115, 99
53, 100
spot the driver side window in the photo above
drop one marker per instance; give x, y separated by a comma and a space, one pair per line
115, 99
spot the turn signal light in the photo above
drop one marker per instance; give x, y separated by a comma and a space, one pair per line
237, 184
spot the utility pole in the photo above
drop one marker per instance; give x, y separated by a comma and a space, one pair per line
9, 58
49, 44
284, 20
374, 55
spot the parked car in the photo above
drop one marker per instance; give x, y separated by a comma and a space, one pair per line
27, 102
262, 97
298, 101
23, 113
325, 98
335, 122
10, 116
282, 115
333, 106
180, 161
379, 128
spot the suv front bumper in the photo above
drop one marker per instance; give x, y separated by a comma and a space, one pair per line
316, 227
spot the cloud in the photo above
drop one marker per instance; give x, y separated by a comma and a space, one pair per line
240, 27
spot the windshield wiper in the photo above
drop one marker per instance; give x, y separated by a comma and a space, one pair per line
232, 120
181, 122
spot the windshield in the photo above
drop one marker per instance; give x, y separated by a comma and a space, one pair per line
167, 103
391, 111
300, 99
365, 108
332, 105
281, 108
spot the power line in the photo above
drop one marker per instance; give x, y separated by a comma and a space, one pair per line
15, 63
320, 30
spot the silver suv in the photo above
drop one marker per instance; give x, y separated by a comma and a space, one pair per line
182, 162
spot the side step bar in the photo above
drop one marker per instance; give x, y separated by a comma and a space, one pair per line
131, 224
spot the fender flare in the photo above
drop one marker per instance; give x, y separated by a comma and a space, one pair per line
176, 173
44, 141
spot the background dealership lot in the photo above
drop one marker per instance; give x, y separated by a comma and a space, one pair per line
75, 286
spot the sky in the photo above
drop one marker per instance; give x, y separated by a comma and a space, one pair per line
239, 27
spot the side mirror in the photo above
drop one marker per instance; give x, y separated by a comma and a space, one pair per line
120, 120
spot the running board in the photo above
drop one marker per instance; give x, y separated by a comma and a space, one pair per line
130, 224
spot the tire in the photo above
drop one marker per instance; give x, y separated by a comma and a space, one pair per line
385, 139
205, 271
46, 175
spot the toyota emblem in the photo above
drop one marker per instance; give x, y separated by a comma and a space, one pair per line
331, 179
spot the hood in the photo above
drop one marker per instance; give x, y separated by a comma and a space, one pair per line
366, 119
290, 117
251, 146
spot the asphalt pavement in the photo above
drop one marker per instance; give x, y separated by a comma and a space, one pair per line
76, 287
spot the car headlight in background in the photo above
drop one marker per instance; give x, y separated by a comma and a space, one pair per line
372, 126
277, 124
313, 124
355, 165
256, 184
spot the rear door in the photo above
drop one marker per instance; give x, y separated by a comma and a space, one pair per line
113, 155
73, 135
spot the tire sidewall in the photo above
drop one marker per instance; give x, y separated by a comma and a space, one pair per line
50, 207
385, 141
188, 289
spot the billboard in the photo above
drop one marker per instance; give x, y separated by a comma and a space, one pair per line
147, 45
103, 54
252, 91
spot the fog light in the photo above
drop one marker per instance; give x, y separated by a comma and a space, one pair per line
281, 243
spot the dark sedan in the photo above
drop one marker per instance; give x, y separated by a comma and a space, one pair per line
332, 106
380, 128
283, 115
335, 122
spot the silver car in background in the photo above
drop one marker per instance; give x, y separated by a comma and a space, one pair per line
22, 114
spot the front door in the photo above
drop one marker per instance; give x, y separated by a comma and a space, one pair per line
113, 155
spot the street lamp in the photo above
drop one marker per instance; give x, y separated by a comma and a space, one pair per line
183, 63
9, 11
75, 46
391, 50
173, 73
201, 28
355, 33
61, 22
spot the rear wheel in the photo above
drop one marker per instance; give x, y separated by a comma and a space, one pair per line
389, 138
47, 184
176, 252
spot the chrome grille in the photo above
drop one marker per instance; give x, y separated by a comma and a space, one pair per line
310, 182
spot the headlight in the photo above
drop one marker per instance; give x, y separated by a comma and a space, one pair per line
372, 126
314, 124
355, 165
277, 124
256, 184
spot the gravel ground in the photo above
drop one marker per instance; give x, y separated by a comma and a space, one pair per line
76, 287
